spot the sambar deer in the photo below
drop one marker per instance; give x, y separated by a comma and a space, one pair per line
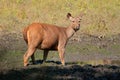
49, 37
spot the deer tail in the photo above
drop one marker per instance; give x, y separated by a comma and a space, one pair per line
25, 34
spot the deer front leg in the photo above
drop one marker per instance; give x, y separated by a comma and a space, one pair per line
61, 55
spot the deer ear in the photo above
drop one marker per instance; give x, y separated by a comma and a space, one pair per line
69, 15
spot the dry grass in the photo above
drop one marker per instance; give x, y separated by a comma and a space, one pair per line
101, 17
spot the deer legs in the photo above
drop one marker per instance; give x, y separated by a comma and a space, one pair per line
33, 58
29, 53
45, 55
61, 55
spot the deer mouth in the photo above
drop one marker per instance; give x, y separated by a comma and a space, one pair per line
77, 28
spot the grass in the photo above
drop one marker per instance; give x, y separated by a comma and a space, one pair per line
75, 54
11, 59
101, 18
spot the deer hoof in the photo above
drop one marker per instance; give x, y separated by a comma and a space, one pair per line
63, 64
25, 64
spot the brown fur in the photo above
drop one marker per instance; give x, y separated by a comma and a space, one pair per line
48, 37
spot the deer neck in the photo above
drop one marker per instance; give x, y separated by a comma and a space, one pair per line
70, 32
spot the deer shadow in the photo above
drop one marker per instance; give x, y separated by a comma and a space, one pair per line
73, 72
53, 62
41, 62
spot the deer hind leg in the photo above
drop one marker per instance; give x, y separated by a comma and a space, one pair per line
45, 55
61, 55
29, 52
33, 58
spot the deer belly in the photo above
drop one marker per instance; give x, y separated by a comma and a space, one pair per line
49, 46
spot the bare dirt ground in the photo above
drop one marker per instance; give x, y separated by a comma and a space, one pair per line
87, 58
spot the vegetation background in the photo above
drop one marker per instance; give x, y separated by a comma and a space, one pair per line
101, 17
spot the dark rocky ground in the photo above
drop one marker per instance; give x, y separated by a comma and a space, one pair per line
72, 72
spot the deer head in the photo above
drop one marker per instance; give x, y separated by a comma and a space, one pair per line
75, 22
